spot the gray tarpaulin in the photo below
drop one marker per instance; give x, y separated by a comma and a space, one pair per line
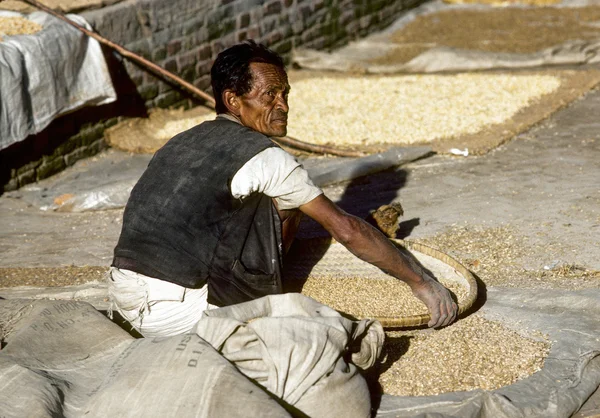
47, 74
107, 182
571, 372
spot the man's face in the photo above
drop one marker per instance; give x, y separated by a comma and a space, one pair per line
264, 108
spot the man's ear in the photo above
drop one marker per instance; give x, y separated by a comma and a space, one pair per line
232, 102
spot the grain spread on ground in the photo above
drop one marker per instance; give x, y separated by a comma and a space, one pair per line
407, 109
371, 297
173, 127
473, 353
495, 254
511, 30
10, 26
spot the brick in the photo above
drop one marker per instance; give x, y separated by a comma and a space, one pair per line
168, 99
171, 65
26, 167
110, 122
159, 53
91, 134
268, 25
275, 37
50, 167
203, 83
244, 20
65, 148
189, 74
204, 53
203, 67
162, 37
305, 12
283, 47
346, 17
193, 25
164, 87
141, 47
273, 7
254, 32
148, 92
173, 47
13, 184
298, 27
241, 35
79, 154
26, 177
97, 146
187, 60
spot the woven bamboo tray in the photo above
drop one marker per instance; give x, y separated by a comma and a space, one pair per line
325, 257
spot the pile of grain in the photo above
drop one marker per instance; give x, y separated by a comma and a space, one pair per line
497, 254
173, 127
408, 109
372, 297
50, 276
473, 353
10, 26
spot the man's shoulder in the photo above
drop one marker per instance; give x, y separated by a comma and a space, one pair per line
222, 128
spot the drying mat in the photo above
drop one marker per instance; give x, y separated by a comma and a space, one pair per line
323, 258
442, 118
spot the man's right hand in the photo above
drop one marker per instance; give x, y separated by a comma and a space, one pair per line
437, 298
369, 244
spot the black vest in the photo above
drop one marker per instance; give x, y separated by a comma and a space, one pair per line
182, 225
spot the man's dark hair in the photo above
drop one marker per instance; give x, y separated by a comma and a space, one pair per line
231, 69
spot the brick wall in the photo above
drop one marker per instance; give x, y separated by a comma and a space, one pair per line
184, 37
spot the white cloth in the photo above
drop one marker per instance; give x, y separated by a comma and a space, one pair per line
47, 74
155, 308
276, 174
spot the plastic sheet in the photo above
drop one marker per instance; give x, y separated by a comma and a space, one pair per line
47, 74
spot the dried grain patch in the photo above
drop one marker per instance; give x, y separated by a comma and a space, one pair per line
473, 353
372, 297
408, 109
10, 26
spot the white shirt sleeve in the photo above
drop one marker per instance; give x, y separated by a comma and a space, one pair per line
277, 174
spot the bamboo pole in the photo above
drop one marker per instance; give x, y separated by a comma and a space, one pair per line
208, 99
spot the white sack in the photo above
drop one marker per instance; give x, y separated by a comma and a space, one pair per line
64, 358
300, 350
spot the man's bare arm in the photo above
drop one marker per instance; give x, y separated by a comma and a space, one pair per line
372, 246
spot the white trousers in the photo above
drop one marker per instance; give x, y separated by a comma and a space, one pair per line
155, 308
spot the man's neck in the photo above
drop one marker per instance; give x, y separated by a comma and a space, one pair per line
230, 117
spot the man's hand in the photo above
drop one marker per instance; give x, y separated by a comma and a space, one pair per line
369, 244
442, 308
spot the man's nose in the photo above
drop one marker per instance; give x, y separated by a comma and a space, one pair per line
282, 103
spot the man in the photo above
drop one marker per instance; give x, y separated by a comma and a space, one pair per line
210, 219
